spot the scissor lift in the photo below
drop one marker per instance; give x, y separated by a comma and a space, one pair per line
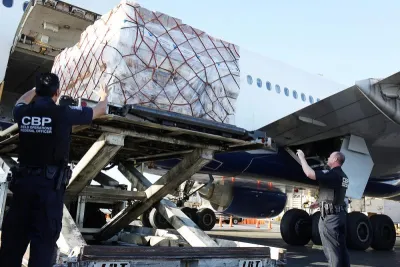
126, 138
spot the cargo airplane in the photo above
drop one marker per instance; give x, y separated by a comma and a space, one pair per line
298, 110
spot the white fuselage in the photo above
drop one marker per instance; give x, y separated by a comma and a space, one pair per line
270, 90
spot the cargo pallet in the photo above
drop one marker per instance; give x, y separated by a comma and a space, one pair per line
128, 137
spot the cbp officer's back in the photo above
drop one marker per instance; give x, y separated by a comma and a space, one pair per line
332, 192
39, 181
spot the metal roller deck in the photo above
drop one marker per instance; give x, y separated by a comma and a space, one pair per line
151, 134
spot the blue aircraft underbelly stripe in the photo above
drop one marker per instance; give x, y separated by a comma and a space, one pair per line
278, 165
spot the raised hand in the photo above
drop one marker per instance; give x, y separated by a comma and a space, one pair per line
103, 92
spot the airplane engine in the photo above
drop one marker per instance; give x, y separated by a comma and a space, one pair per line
245, 202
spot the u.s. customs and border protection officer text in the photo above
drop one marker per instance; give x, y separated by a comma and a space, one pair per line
39, 181
332, 192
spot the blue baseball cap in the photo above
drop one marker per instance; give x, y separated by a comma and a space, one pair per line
47, 84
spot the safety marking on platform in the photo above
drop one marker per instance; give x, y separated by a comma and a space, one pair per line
111, 264
251, 263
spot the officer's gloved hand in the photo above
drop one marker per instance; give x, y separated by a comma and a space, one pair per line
66, 101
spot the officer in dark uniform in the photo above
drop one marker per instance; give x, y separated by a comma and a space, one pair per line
39, 181
332, 224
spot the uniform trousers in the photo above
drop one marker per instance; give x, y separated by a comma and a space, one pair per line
35, 217
332, 230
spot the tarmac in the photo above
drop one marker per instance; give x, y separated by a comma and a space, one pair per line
309, 255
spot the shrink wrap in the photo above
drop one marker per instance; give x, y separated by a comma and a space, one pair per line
152, 59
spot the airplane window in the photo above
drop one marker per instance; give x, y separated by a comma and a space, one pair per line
268, 84
8, 3
25, 5
259, 82
249, 80
311, 99
294, 94
317, 99
278, 89
303, 97
286, 91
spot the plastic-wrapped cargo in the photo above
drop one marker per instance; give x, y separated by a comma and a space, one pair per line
152, 59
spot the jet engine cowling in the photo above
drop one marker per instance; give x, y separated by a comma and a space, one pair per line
245, 202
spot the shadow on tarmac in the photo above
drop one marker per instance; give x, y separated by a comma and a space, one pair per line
309, 255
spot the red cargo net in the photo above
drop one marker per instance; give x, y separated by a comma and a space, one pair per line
154, 60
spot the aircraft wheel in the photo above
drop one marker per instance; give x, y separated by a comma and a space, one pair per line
145, 219
191, 213
158, 221
315, 236
384, 232
359, 231
206, 219
93, 217
235, 221
296, 227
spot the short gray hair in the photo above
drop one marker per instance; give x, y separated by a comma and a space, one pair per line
341, 158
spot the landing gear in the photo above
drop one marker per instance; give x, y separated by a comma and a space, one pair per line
145, 219
206, 219
315, 236
157, 221
93, 217
191, 213
377, 232
296, 227
359, 231
384, 233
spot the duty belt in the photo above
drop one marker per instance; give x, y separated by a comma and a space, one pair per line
27, 170
33, 170
59, 174
330, 209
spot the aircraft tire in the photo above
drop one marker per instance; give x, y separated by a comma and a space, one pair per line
296, 227
157, 221
384, 232
93, 218
206, 219
191, 213
315, 236
145, 219
359, 231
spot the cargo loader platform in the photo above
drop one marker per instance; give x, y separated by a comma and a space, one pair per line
105, 256
127, 137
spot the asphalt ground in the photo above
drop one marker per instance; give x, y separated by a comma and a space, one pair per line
309, 255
